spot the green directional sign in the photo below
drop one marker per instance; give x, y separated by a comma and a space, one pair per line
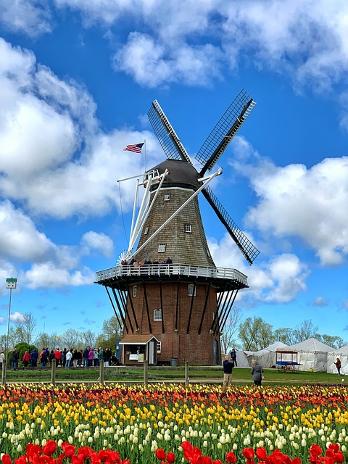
11, 282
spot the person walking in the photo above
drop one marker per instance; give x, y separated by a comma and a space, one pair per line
227, 366
338, 365
257, 373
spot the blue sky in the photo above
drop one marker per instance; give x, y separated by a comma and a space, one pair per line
76, 81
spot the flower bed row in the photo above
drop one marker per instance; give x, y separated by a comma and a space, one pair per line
55, 453
137, 421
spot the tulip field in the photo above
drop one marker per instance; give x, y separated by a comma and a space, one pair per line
118, 424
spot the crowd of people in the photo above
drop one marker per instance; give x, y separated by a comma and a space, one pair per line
69, 358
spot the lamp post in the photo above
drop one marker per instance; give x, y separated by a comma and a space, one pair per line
11, 284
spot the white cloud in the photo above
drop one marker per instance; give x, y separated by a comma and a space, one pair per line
17, 317
98, 241
278, 280
28, 16
42, 123
19, 237
307, 40
320, 301
152, 63
48, 275
296, 201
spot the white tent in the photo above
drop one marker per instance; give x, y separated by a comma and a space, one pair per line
242, 359
267, 356
341, 353
312, 354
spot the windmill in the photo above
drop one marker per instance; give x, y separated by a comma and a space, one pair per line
170, 298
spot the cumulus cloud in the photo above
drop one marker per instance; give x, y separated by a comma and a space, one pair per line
51, 265
28, 16
276, 280
49, 275
19, 237
306, 40
99, 242
43, 123
300, 201
151, 63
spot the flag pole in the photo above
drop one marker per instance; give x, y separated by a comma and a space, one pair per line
144, 155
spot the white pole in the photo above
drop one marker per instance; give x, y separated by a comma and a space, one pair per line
133, 216
144, 155
142, 219
7, 338
141, 209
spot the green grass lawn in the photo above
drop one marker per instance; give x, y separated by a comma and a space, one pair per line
201, 374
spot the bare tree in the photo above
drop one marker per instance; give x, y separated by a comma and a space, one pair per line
88, 338
306, 330
72, 338
27, 325
230, 333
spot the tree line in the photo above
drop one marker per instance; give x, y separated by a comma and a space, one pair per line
25, 332
255, 334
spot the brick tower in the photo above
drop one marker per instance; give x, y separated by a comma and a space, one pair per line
167, 293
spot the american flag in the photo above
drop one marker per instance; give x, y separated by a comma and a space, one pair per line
135, 148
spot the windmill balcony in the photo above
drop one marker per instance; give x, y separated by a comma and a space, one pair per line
136, 273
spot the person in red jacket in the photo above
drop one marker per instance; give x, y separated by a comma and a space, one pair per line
26, 358
58, 356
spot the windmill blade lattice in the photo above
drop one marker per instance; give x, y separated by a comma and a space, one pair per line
166, 134
224, 131
244, 244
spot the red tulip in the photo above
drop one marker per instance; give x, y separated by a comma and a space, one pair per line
50, 447
248, 453
170, 457
315, 450
6, 459
69, 450
231, 457
261, 453
160, 454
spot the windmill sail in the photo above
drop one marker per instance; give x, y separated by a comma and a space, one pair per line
166, 134
224, 131
244, 244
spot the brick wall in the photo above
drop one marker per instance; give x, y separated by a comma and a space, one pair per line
179, 339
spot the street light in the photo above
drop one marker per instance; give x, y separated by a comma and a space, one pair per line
11, 284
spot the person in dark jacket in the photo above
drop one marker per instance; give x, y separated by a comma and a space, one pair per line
234, 356
257, 373
227, 365
15, 358
338, 365
33, 357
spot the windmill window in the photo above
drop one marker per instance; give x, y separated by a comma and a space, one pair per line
146, 231
134, 291
188, 228
159, 347
161, 248
167, 197
157, 314
191, 290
